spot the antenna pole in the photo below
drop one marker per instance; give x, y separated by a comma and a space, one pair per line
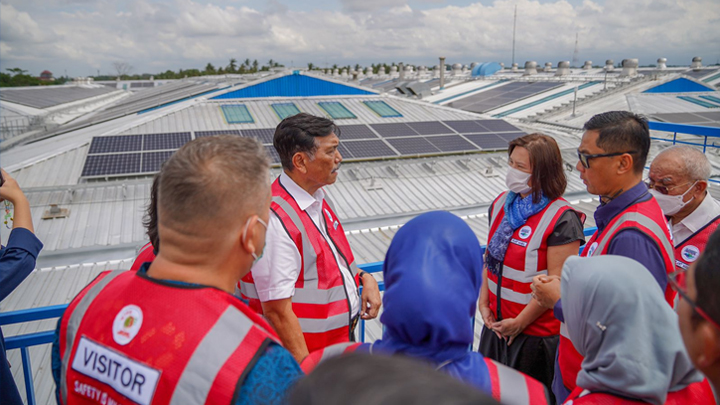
575, 59
514, 26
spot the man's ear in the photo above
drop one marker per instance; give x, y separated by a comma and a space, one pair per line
299, 161
625, 163
246, 237
700, 188
709, 337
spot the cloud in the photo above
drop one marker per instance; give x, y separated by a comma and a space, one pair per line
171, 34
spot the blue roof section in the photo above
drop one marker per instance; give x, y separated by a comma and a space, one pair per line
681, 85
486, 69
294, 85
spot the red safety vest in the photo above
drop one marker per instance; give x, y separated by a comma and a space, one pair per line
526, 257
645, 216
698, 393
689, 250
320, 301
129, 339
508, 385
146, 254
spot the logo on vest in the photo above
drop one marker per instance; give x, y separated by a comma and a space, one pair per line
128, 377
592, 248
127, 324
518, 242
525, 232
690, 253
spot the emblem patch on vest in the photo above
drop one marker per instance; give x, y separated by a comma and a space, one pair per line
690, 253
525, 232
592, 248
127, 324
125, 375
518, 242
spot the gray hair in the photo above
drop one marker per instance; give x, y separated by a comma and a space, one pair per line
697, 165
217, 180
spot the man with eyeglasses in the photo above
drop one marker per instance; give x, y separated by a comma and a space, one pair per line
611, 159
699, 312
678, 180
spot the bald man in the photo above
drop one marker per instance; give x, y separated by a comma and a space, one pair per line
173, 332
678, 180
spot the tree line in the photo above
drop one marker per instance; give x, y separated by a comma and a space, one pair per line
18, 77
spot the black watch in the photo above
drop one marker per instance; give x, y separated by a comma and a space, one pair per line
360, 276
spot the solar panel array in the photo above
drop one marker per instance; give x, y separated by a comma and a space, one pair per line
706, 119
502, 95
132, 155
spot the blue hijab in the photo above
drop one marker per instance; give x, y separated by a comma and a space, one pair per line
433, 274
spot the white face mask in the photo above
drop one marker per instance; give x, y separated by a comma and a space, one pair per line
517, 181
671, 204
254, 255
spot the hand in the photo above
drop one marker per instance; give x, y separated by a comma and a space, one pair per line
489, 319
371, 301
546, 290
508, 328
10, 190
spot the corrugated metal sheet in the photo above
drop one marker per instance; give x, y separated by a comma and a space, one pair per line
294, 85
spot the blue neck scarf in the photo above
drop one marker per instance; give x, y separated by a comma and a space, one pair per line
433, 274
517, 211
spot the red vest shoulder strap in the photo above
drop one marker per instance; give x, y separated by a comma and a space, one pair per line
513, 387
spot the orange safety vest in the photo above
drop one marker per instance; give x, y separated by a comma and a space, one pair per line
130, 339
698, 393
320, 301
644, 216
526, 257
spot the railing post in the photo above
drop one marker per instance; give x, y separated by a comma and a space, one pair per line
705, 144
674, 137
27, 372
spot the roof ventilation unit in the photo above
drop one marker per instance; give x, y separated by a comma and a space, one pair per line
422, 70
472, 65
419, 89
502, 65
530, 68
344, 73
336, 72
436, 71
548, 67
609, 65
401, 73
662, 63
409, 69
696, 63
587, 65
563, 68
457, 69
368, 71
514, 67
393, 70
629, 68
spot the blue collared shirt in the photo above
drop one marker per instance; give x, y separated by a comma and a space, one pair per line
629, 242
17, 261
268, 382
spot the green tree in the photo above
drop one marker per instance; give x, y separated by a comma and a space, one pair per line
232, 67
311, 66
247, 62
255, 65
271, 63
209, 69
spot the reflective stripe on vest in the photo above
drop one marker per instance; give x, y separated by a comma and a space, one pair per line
73, 324
621, 221
512, 387
698, 241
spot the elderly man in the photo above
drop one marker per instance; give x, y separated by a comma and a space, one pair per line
679, 180
612, 156
699, 313
306, 285
173, 332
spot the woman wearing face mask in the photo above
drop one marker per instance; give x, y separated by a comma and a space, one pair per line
532, 231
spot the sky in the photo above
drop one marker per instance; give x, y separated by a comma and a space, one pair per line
84, 37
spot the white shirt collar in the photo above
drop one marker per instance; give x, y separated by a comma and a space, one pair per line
704, 213
301, 197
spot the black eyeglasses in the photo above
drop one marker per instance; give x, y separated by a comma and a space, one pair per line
585, 158
663, 189
677, 281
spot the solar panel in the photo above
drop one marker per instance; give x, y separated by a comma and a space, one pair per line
429, 128
697, 101
102, 165
509, 136
356, 132
711, 98
382, 109
368, 149
165, 141
264, 135
393, 130
497, 125
284, 110
152, 161
451, 143
236, 114
116, 143
502, 95
465, 127
413, 146
200, 134
487, 141
336, 110
272, 154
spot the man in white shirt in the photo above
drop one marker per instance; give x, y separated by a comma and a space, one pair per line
678, 180
306, 283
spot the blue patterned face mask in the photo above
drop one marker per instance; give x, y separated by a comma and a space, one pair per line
254, 255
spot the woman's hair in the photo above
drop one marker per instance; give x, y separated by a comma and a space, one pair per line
548, 176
